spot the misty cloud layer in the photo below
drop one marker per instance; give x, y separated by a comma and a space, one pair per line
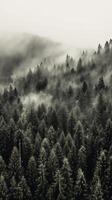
35, 100
19, 52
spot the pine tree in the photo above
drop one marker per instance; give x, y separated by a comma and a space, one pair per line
84, 87
16, 115
45, 148
6, 140
23, 190
77, 111
106, 47
97, 193
3, 189
33, 119
101, 111
82, 159
57, 190
108, 134
63, 118
79, 66
11, 130
15, 168
92, 148
67, 180
42, 188
62, 139
107, 190
99, 49
84, 97
70, 91
5, 95
81, 191
101, 84
59, 154
68, 144
72, 158
52, 165
26, 150
67, 62
100, 171
54, 120
79, 135
41, 111
37, 146
32, 175
2, 166
71, 123
42, 128
18, 138
13, 193
51, 136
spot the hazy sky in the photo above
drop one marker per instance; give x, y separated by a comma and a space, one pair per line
81, 23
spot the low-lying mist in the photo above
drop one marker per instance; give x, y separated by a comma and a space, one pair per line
34, 99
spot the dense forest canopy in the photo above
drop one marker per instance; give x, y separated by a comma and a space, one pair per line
58, 145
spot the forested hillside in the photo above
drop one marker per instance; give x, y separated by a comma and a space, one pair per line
59, 148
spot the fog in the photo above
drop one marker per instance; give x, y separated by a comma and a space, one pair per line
75, 23
32, 30
19, 52
35, 100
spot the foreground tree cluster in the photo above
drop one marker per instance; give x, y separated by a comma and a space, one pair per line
62, 151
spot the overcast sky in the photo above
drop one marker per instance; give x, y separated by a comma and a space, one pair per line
81, 23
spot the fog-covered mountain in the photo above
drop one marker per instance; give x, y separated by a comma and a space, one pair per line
18, 52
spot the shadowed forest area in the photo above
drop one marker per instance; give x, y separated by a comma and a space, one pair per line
56, 131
